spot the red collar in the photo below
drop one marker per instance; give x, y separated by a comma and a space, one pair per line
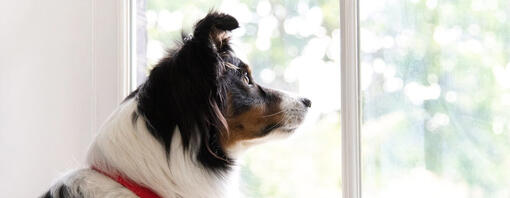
140, 191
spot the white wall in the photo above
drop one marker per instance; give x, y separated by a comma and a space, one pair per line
60, 76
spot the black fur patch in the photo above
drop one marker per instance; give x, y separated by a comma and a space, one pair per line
62, 191
186, 90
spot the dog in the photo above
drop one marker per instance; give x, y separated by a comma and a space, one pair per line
180, 133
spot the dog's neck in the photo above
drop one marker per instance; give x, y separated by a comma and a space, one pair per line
127, 148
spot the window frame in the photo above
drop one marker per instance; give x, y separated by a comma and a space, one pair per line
350, 91
351, 100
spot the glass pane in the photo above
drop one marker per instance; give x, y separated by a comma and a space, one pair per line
435, 83
291, 45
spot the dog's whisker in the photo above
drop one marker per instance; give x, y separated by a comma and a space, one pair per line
273, 114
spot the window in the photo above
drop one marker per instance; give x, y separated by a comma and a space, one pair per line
433, 90
436, 98
291, 45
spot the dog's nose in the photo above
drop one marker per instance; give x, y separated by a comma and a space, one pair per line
306, 102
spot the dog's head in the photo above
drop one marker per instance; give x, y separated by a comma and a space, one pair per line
202, 88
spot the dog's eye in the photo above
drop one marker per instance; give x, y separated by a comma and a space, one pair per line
246, 79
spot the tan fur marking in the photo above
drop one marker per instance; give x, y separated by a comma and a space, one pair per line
249, 125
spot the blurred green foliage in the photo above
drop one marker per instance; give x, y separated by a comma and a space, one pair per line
452, 127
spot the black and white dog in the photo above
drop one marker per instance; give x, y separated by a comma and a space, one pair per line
179, 134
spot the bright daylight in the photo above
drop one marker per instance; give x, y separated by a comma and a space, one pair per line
435, 83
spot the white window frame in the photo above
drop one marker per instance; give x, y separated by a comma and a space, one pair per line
351, 100
351, 150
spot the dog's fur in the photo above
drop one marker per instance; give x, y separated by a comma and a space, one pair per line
180, 133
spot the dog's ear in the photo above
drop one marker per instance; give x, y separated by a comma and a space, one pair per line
201, 52
214, 29
186, 90
197, 85
210, 38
